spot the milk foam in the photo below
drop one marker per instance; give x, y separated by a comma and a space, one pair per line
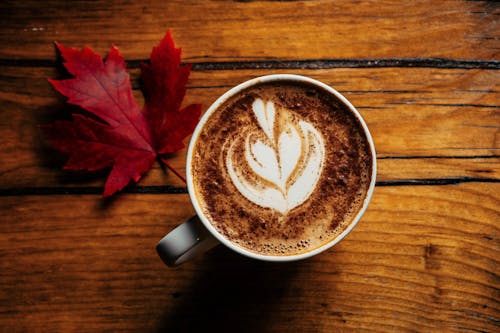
286, 155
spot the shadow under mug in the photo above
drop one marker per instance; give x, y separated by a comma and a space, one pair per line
198, 235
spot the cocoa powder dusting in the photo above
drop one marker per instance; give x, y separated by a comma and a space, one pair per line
334, 202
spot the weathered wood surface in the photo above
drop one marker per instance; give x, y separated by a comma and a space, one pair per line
420, 260
424, 258
417, 113
253, 30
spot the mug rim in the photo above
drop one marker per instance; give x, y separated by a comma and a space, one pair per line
215, 105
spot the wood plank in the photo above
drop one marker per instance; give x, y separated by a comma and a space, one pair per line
422, 258
27, 179
411, 113
435, 168
219, 31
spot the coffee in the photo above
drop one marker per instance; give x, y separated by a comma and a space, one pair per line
281, 168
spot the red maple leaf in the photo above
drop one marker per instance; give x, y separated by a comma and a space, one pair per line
124, 137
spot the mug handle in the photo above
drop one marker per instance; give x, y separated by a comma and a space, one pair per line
185, 242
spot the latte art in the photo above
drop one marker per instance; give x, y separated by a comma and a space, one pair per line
281, 168
286, 156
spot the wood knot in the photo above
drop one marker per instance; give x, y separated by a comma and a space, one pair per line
430, 260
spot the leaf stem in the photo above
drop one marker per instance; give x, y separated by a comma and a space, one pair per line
162, 160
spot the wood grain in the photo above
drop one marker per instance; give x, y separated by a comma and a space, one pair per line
424, 75
420, 260
222, 31
410, 112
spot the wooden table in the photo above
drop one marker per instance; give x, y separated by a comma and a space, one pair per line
424, 258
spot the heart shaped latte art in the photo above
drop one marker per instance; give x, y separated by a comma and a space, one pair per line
285, 158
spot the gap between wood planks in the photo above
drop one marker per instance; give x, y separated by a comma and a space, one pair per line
299, 64
157, 189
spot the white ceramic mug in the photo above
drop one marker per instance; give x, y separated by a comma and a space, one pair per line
198, 235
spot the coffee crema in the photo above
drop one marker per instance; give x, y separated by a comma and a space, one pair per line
281, 168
